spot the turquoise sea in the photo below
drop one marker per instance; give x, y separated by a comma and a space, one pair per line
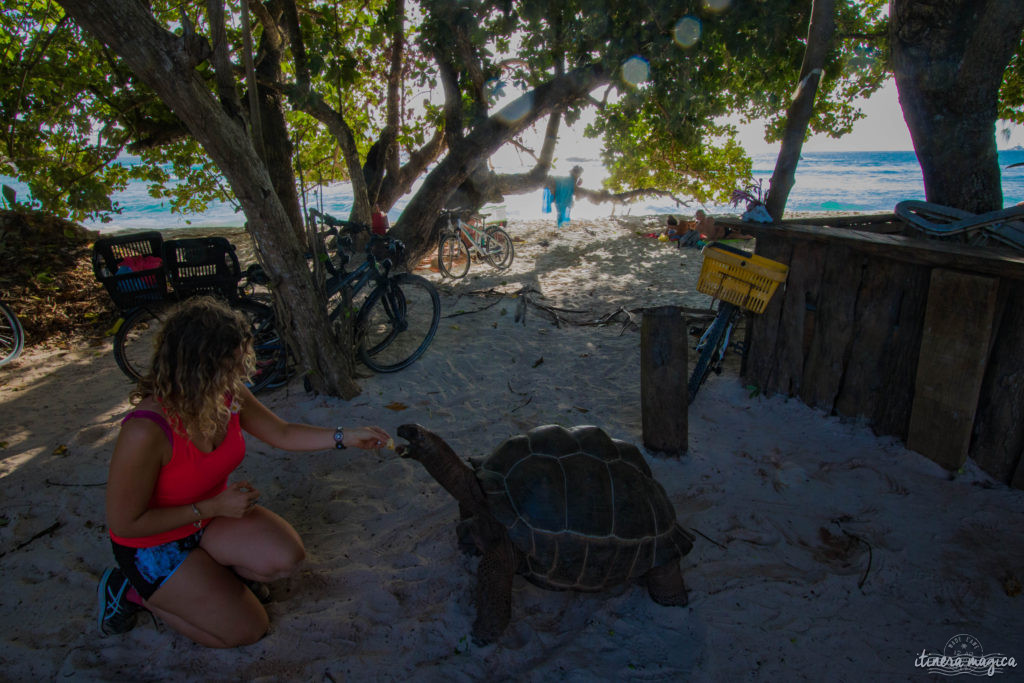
825, 181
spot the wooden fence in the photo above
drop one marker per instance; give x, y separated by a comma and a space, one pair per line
922, 339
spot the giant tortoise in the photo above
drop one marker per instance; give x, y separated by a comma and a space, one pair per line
568, 508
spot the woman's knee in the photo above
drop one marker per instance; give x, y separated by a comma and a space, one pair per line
278, 562
248, 632
286, 560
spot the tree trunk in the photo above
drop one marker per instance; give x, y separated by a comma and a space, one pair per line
277, 145
949, 57
819, 41
167, 63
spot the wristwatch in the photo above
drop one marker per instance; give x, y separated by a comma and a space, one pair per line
339, 438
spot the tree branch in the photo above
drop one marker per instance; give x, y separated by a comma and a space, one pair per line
223, 70
602, 196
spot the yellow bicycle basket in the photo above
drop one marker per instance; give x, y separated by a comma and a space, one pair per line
739, 277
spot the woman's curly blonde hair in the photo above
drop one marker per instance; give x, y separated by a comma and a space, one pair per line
197, 362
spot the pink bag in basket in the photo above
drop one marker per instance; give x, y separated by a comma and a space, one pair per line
135, 264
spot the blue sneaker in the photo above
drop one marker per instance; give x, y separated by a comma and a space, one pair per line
116, 613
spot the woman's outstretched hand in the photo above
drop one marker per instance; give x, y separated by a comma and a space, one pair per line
368, 438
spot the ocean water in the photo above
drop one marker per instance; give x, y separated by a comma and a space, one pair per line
825, 181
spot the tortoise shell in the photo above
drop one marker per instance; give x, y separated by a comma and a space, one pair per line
582, 507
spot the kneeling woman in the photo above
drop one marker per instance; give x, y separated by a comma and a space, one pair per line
190, 547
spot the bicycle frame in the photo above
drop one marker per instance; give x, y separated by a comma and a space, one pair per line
703, 341
372, 269
355, 280
392, 308
474, 235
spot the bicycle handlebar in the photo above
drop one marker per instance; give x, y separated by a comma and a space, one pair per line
394, 249
350, 227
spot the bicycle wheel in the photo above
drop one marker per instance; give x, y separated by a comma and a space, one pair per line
498, 248
136, 338
12, 335
710, 347
271, 353
397, 323
452, 257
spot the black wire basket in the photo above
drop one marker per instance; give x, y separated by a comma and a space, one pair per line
131, 268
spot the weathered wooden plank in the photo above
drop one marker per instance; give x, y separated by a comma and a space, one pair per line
802, 290
875, 318
663, 380
985, 260
762, 331
879, 222
898, 373
954, 349
999, 425
829, 350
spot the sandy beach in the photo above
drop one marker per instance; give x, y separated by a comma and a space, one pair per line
823, 552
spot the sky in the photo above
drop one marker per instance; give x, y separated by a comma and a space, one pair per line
883, 128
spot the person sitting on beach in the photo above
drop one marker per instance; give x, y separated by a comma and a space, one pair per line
711, 231
684, 234
190, 547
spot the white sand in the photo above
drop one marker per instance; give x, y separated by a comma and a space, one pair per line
798, 505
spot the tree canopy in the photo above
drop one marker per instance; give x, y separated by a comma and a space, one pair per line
70, 108
388, 92
412, 79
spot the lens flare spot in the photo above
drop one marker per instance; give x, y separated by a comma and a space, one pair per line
687, 31
717, 5
515, 110
635, 71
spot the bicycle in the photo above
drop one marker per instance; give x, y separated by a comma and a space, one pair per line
459, 236
12, 335
741, 281
194, 266
396, 314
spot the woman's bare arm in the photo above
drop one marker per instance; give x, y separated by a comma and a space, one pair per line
266, 426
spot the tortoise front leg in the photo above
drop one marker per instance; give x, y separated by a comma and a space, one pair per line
665, 584
494, 591
464, 531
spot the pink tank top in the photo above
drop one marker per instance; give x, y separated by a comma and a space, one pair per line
191, 475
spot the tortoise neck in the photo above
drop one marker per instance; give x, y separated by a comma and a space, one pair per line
455, 476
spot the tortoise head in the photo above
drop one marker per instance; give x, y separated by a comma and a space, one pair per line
423, 443
442, 463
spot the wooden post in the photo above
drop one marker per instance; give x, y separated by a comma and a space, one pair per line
663, 378
954, 349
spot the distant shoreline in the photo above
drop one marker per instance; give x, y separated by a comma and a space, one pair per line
846, 182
